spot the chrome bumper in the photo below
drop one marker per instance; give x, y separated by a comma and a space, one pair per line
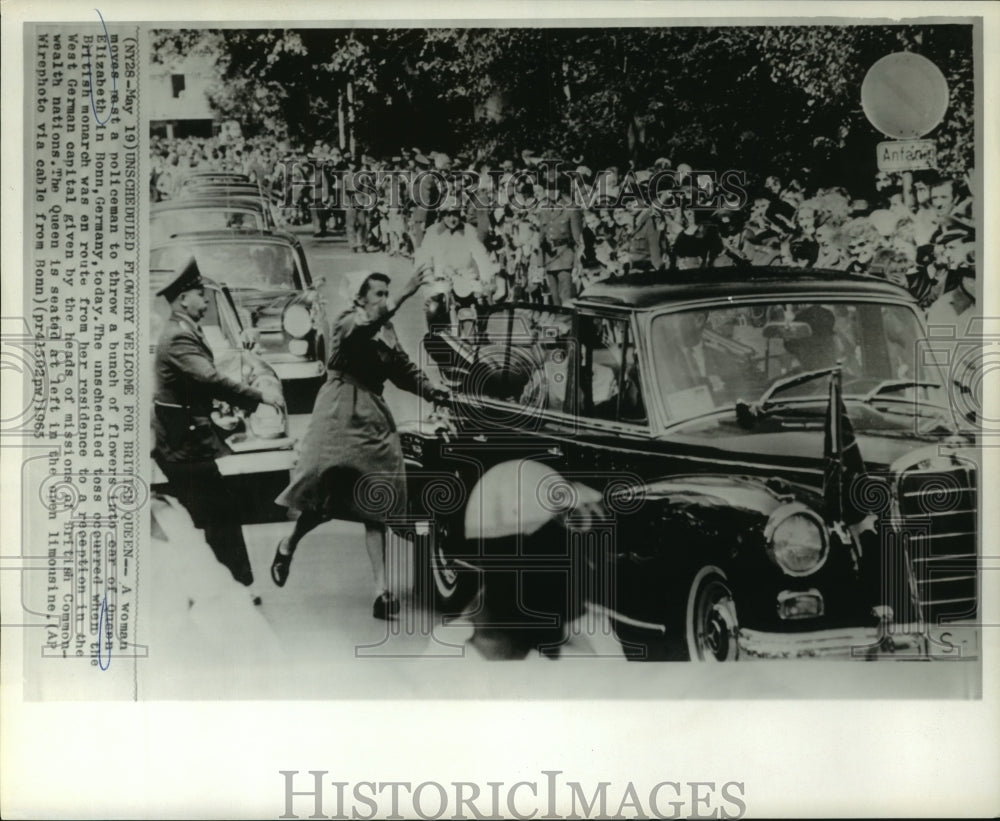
898, 641
264, 461
243, 464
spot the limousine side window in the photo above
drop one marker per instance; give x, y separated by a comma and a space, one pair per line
609, 372
521, 354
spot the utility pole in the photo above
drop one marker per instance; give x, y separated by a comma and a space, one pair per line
341, 136
352, 146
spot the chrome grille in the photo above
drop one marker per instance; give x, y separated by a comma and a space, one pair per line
939, 507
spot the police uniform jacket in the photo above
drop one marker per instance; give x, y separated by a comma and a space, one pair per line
561, 224
643, 242
186, 383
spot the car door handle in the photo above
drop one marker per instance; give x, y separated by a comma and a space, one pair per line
555, 450
479, 438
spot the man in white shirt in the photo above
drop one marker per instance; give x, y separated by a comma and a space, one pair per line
462, 270
952, 314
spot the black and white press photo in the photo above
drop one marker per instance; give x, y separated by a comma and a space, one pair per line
376, 376
608, 342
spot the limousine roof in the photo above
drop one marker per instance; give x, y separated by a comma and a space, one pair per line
648, 290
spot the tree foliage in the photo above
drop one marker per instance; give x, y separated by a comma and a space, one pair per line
755, 98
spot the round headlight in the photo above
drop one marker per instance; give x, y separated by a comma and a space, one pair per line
796, 540
297, 321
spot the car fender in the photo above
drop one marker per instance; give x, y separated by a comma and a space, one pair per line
701, 515
419, 441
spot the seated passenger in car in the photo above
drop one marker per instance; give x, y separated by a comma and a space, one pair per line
816, 350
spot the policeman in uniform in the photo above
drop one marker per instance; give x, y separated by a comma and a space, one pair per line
561, 226
187, 444
426, 197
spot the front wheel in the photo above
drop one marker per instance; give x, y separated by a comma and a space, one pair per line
710, 624
450, 584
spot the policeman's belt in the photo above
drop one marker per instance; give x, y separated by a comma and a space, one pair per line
200, 410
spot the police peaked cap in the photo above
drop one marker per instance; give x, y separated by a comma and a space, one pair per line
187, 279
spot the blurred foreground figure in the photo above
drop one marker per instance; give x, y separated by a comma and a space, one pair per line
202, 624
531, 525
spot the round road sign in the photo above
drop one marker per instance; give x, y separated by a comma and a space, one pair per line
904, 95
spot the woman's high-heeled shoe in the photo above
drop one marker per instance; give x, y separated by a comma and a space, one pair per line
281, 565
386, 606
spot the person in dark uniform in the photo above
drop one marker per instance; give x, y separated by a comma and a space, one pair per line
641, 246
561, 226
320, 164
426, 197
351, 460
186, 443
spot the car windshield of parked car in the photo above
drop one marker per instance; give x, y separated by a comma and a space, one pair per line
241, 263
707, 360
166, 224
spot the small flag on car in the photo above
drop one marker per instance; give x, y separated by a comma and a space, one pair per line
843, 463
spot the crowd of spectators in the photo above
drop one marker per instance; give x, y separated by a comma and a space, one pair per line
913, 229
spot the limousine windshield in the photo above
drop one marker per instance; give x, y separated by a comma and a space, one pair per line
707, 360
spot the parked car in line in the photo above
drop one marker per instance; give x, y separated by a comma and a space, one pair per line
717, 413
261, 444
268, 276
199, 178
230, 191
218, 188
183, 216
